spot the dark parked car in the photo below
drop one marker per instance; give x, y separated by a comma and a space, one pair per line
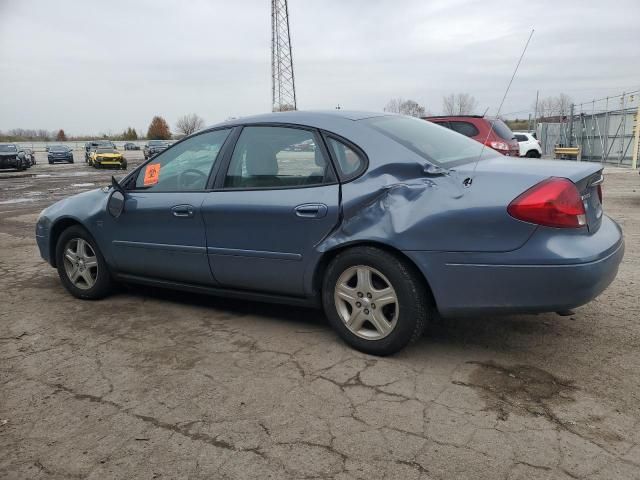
131, 146
89, 146
12, 156
59, 153
389, 220
494, 133
153, 147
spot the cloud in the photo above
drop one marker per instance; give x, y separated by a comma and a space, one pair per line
93, 66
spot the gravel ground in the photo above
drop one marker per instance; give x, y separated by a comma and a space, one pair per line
151, 384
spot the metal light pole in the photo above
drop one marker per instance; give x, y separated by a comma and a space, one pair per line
283, 89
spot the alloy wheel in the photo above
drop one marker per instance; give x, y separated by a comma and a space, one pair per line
80, 263
366, 302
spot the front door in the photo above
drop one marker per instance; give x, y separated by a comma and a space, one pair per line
277, 199
161, 233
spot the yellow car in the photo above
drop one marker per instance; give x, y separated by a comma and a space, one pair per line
103, 157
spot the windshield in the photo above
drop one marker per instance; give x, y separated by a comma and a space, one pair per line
437, 144
501, 129
105, 150
8, 148
157, 143
58, 148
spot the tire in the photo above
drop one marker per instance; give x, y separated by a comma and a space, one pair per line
533, 154
407, 316
102, 285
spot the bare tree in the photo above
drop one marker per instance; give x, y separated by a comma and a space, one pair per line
559, 106
459, 104
405, 107
188, 124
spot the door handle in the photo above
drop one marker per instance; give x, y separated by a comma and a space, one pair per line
182, 211
311, 210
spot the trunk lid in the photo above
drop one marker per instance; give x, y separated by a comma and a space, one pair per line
522, 174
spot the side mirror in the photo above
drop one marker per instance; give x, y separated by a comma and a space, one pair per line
115, 205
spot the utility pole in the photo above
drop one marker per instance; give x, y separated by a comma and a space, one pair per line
283, 88
535, 113
570, 139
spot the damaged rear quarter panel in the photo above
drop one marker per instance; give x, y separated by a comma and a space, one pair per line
397, 205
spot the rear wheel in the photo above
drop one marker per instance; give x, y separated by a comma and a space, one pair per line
533, 154
375, 300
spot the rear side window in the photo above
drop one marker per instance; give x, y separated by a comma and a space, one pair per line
521, 138
441, 123
350, 162
501, 129
277, 157
465, 128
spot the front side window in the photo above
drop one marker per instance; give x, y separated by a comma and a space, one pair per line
440, 146
185, 167
277, 157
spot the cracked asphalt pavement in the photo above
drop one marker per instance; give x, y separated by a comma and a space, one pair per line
163, 385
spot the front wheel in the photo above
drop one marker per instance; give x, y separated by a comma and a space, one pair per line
376, 301
81, 266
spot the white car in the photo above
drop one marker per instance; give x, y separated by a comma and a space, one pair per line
529, 145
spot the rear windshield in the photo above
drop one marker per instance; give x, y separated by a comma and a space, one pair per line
157, 142
501, 129
436, 144
8, 148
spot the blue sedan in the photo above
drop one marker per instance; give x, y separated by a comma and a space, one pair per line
385, 221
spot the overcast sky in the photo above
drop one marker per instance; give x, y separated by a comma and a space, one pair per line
99, 66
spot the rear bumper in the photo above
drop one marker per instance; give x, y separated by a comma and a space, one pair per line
539, 277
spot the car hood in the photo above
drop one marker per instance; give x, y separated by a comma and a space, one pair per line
109, 155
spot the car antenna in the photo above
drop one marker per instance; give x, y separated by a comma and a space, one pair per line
469, 180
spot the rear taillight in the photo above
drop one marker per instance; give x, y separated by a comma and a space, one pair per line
555, 202
498, 145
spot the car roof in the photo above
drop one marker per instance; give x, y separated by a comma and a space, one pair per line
452, 116
302, 117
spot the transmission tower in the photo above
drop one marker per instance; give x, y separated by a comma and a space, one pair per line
283, 86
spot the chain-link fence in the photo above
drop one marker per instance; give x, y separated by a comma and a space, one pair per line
607, 136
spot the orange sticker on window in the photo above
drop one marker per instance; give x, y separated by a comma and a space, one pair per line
151, 174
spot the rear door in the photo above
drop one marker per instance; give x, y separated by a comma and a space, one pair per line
274, 201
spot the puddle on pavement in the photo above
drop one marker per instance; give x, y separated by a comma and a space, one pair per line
17, 200
520, 389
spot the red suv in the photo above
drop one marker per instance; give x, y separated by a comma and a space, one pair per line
493, 133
